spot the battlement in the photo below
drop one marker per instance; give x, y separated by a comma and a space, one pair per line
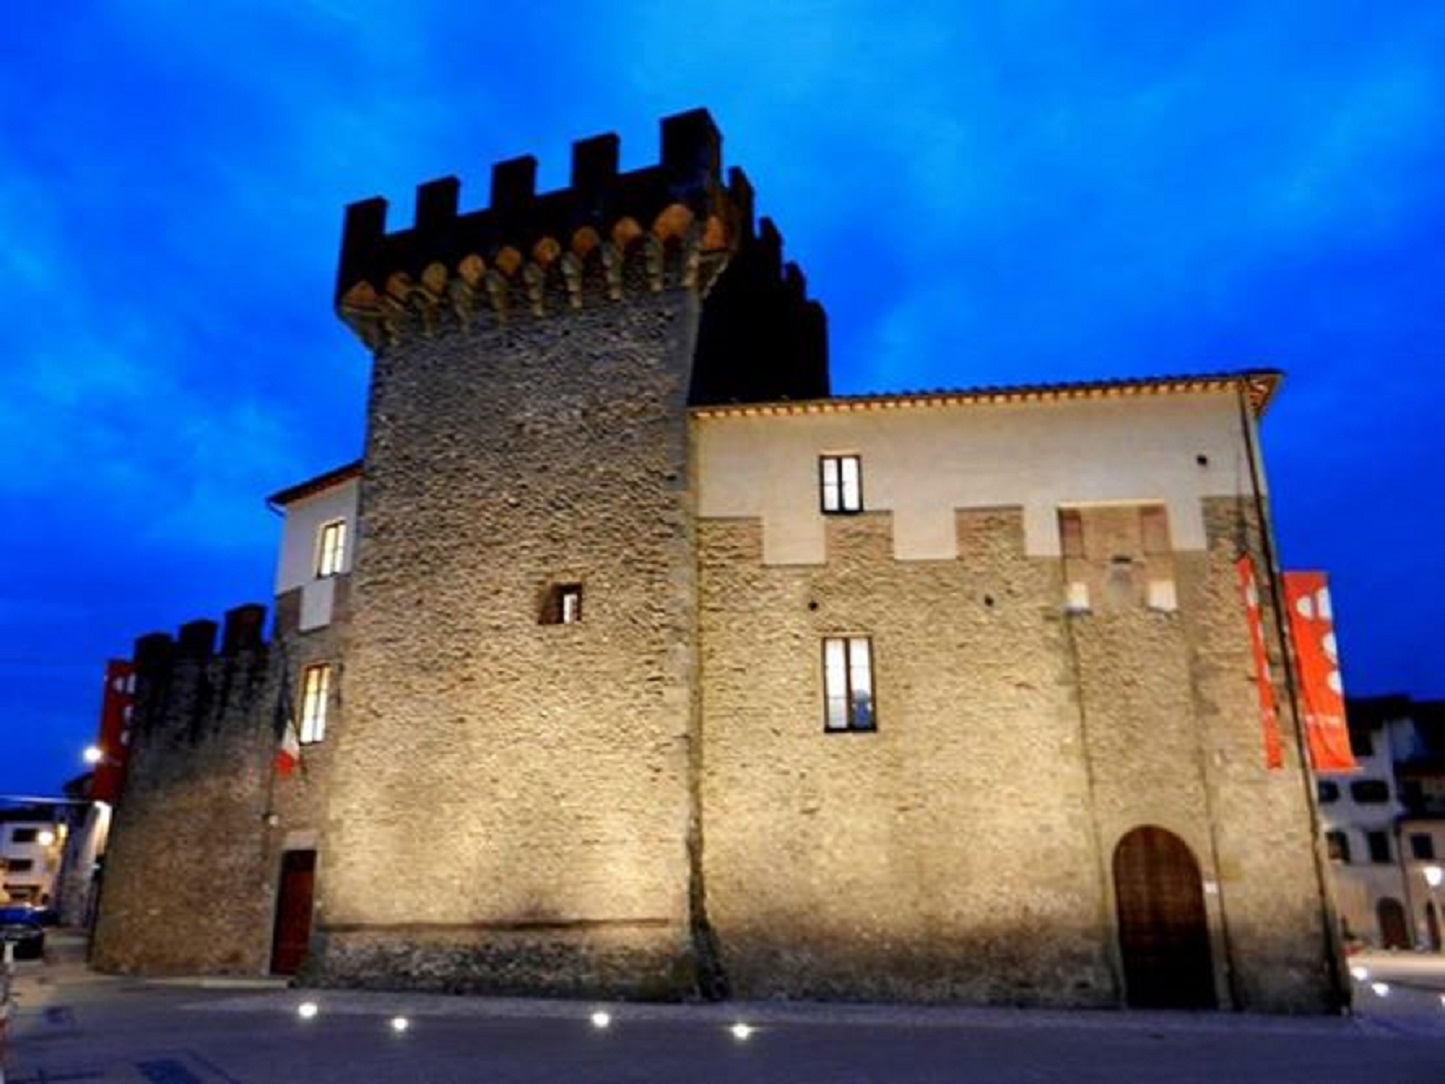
609, 235
186, 689
528, 253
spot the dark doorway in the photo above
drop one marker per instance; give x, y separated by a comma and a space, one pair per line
293, 912
1394, 931
1163, 929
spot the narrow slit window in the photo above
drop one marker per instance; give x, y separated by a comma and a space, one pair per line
331, 548
848, 683
315, 694
841, 483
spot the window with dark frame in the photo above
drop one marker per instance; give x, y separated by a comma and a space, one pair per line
1328, 791
1379, 844
1370, 791
1362, 742
1339, 846
1422, 846
562, 604
848, 684
315, 693
20, 865
840, 479
24, 835
330, 548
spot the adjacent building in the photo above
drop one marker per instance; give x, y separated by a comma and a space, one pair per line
31, 841
1385, 824
629, 661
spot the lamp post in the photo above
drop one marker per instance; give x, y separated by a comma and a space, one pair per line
1434, 875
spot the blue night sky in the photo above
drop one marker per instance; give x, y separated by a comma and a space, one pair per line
983, 192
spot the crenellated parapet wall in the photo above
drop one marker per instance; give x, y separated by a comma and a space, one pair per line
187, 870
683, 223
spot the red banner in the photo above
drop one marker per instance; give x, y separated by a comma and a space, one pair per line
1268, 712
114, 737
1311, 621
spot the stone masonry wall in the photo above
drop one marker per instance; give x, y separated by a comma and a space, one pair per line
185, 868
530, 779
964, 850
949, 856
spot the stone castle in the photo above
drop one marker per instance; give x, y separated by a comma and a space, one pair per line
630, 662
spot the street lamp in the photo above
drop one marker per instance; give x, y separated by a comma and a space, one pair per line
93, 754
1433, 876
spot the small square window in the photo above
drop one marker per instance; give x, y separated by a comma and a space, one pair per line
315, 693
1422, 846
1329, 791
840, 479
1362, 743
848, 683
331, 548
562, 604
24, 835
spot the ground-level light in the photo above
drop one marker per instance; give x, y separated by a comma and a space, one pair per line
601, 1019
307, 1010
741, 1030
399, 1024
1382, 989
1358, 973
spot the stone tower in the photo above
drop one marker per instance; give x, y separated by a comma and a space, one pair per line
514, 802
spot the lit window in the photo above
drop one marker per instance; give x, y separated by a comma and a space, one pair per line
841, 478
563, 604
315, 688
848, 683
331, 548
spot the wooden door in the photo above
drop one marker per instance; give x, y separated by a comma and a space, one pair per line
1394, 930
1163, 928
293, 912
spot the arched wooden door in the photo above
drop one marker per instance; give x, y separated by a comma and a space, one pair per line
1394, 930
1163, 928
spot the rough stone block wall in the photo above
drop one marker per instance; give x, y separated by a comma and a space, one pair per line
949, 856
964, 850
510, 800
185, 868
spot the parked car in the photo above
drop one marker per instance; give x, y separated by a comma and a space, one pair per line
20, 927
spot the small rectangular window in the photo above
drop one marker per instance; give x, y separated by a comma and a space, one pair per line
562, 604
848, 683
1339, 846
331, 548
1071, 532
1422, 846
24, 835
315, 693
1329, 791
1370, 791
841, 483
1379, 844
20, 865
1362, 744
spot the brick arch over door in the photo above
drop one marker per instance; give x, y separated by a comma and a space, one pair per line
1163, 926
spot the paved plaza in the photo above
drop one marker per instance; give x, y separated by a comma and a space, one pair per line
78, 1026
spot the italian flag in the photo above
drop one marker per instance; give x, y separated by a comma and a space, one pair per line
288, 749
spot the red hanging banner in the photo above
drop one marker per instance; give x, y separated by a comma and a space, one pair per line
114, 736
1268, 712
1311, 621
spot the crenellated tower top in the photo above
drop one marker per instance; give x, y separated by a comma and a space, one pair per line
679, 224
